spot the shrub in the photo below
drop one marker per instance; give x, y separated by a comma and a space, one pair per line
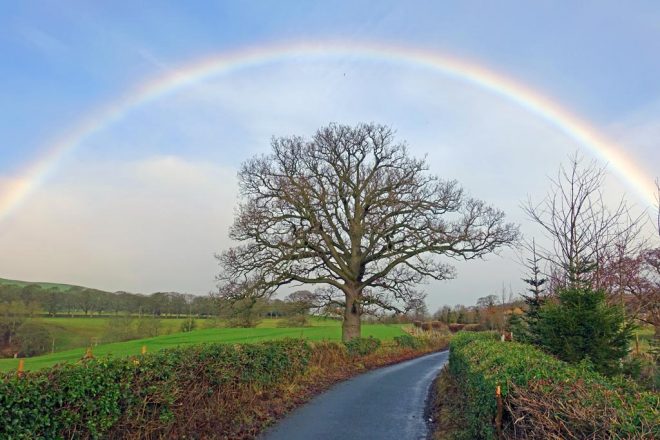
408, 341
362, 346
299, 320
33, 339
575, 399
437, 325
148, 327
120, 328
188, 325
583, 326
417, 324
426, 326
160, 390
455, 327
472, 328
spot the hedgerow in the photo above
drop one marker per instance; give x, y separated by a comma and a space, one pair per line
207, 391
408, 341
362, 346
546, 398
105, 397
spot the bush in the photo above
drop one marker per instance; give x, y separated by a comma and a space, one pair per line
120, 328
295, 321
148, 327
472, 328
188, 325
456, 327
362, 346
160, 391
575, 401
426, 326
408, 341
417, 324
33, 339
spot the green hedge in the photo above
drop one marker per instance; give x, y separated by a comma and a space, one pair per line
408, 341
87, 400
480, 362
362, 346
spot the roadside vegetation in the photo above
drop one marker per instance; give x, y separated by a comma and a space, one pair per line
543, 397
329, 330
577, 355
201, 391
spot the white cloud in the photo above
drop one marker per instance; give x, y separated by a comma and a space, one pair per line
145, 204
142, 226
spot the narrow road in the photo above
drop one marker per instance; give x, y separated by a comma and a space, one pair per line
387, 403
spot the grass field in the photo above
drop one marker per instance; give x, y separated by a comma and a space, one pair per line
71, 333
645, 335
78, 332
61, 287
322, 330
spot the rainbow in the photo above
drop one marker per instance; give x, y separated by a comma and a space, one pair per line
533, 101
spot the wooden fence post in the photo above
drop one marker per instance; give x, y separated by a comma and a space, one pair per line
144, 349
498, 416
21, 367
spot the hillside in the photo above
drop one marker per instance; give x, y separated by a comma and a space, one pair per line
44, 285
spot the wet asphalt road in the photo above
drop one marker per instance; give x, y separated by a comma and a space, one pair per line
383, 404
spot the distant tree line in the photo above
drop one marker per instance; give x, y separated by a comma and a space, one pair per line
53, 301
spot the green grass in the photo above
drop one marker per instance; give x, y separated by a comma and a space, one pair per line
77, 332
80, 332
58, 286
330, 330
645, 335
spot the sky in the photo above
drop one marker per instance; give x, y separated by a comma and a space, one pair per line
145, 200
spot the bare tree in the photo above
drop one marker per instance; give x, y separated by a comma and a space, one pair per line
352, 211
584, 232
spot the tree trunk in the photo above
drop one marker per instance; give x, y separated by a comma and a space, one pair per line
351, 326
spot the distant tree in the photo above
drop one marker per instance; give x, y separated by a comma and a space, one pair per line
244, 313
52, 300
445, 314
462, 314
33, 339
12, 316
582, 325
486, 302
30, 293
85, 299
350, 209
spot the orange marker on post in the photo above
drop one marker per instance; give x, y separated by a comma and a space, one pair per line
21, 366
144, 349
499, 414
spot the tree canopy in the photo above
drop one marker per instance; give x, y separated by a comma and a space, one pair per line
351, 210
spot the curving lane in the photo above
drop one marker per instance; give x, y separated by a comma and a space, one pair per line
387, 403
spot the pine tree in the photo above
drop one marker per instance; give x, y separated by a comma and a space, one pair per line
583, 326
534, 300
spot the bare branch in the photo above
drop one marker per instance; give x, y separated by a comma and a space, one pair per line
350, 209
